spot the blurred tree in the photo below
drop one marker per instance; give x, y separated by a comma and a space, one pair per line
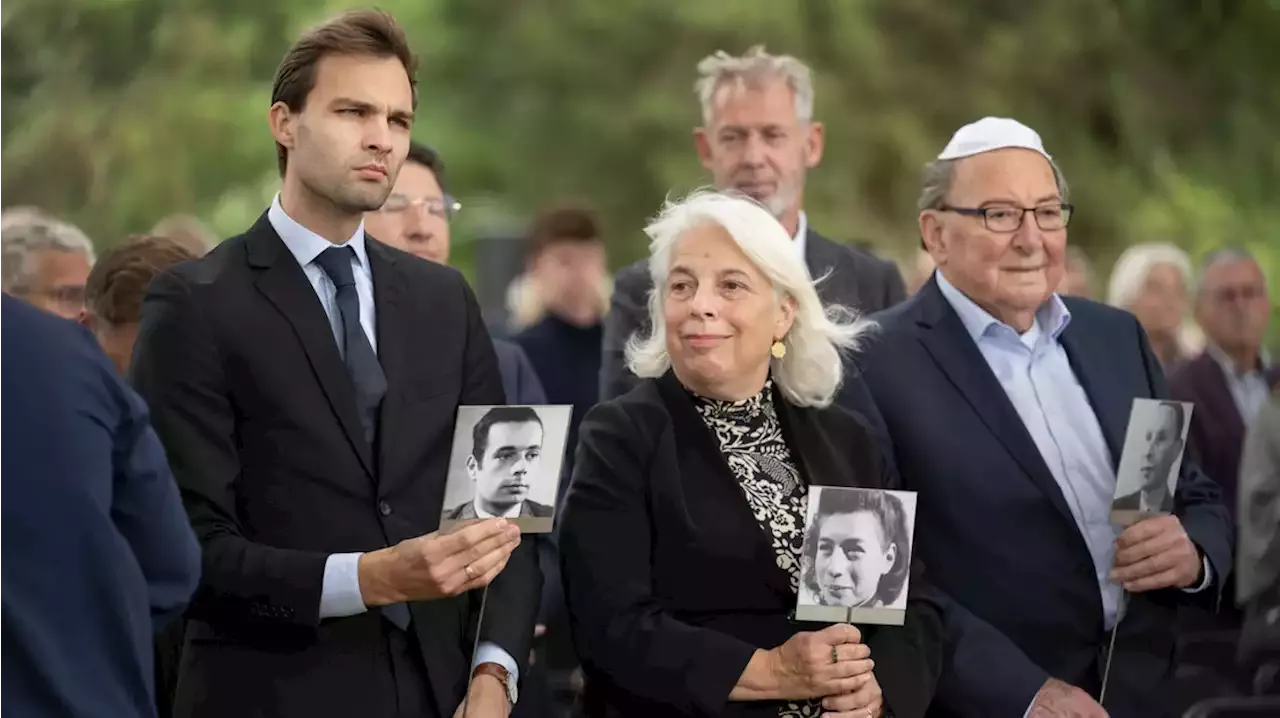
1162, 112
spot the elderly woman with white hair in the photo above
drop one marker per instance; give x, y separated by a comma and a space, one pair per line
682, 530
1153, 281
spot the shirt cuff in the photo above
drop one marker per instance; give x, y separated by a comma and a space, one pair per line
490, 652
1208, 577
340, 590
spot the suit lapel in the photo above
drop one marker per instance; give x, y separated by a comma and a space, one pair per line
1111, 402
392, 343
945, 338
284, 284
822, 256
1223, 404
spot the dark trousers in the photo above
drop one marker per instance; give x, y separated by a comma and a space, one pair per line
408, 673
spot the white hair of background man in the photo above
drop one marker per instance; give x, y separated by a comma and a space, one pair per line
811, 372
23, 233
754, 69
1133, 266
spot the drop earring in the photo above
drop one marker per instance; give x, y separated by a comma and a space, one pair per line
778, 350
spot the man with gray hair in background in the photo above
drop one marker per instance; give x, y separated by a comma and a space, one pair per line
46, 261
758, 137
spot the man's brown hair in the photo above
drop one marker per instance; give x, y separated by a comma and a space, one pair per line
118, 281
567, 223
372, 33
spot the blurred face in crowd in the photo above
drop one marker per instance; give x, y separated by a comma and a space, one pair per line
1161, 303
1009, 274
1076, 281
722, 316
55, 281
1233, 307
346, 145
415, 216
754, 143
854, 554
502, 473
116, 340
569, 274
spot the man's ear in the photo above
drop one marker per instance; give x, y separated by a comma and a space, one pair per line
814, 145
702, 143
473, 466
931, 236
283, 124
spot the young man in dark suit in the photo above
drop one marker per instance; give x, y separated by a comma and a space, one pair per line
758, 137
304, 378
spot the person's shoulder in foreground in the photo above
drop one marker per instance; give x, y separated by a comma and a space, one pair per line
98, 552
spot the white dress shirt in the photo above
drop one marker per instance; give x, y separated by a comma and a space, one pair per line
340, 593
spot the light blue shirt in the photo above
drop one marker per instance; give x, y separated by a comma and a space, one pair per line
1036, 374
340, 593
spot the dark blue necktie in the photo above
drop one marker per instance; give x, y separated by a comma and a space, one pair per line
362, 364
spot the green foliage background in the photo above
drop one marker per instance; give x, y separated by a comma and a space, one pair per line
1163, 113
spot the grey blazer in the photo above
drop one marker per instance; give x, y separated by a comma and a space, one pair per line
1258, 552
854, 278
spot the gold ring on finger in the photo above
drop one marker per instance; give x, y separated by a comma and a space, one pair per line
471, 573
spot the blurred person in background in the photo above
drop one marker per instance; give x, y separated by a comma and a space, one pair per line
46, 261
98, 553
1077, 280
115, 288
759, 137
113, 307
1153, 281
1258, 566
415, 219
1230, 380
187, 231
1228, 383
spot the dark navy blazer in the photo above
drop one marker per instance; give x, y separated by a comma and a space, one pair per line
98, 553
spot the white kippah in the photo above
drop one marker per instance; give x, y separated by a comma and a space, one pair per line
991, 133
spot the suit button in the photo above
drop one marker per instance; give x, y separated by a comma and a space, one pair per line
384, 508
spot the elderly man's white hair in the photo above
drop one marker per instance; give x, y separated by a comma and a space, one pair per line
1133, 266
811, 372
754, 69
25, 231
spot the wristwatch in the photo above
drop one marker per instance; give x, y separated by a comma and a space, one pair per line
497, 671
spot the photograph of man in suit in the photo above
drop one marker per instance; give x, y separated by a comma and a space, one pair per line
304, 379
504, 463
759, 137
1163, 443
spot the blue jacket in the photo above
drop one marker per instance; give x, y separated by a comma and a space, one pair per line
97, 550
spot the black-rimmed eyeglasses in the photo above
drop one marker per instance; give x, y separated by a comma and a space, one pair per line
1005, 218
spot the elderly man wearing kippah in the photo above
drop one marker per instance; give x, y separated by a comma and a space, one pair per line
1007, 405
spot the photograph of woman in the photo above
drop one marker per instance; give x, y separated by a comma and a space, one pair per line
682, 530
857, 555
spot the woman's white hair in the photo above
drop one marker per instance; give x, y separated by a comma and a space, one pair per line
1133, 266
811, 372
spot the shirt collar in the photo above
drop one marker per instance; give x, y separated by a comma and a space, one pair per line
306, 245
1229, 367
802, 234
1052, 316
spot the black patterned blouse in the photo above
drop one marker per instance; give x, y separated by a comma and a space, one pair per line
750, 438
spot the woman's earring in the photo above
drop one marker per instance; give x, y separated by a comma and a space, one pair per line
778, 350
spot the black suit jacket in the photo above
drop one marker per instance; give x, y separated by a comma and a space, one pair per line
250, 395
995, 529
847, 276
671, 584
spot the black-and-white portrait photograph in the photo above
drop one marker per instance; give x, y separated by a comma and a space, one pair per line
506, 463
856, 560
1153, 448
